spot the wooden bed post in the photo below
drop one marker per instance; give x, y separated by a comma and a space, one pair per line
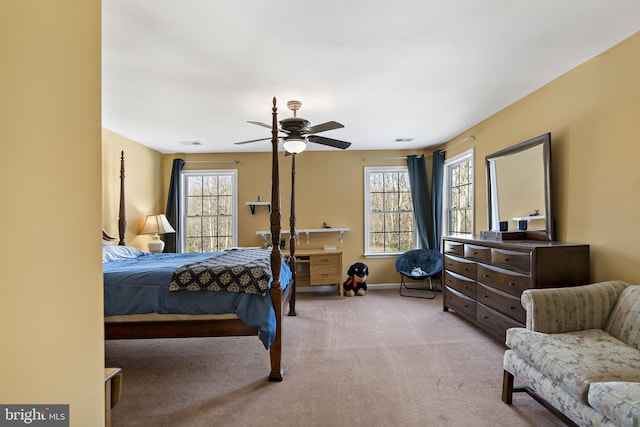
122, 217
292, 238
275, 351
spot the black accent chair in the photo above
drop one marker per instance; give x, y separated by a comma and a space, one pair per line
420, 265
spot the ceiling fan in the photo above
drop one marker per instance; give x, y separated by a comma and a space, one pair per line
298, 131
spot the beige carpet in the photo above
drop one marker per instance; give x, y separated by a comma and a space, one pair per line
377, 360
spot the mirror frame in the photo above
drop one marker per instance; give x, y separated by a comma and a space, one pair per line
548, 233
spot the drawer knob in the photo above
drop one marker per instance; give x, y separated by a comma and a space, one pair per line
506, 258
475, 253
511, 284
486, 317
512, 308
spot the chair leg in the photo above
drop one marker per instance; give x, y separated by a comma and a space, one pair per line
430, 288
507, 387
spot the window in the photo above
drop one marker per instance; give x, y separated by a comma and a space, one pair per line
458, 194
389, 224
208, 211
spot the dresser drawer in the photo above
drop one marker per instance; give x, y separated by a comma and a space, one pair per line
454, 248
502, 302
477, 253
504, 280
460, 266
460, 303
460, 283
519, 261
495, 323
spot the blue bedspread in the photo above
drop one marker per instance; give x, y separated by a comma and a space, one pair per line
141, 285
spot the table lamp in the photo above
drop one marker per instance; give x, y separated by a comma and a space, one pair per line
156, 225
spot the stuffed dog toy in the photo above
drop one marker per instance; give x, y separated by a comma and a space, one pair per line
356, 283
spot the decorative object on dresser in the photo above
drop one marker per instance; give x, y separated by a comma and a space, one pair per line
483, 280
156, 225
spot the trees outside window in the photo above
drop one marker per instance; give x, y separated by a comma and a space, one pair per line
209, 210
389, 223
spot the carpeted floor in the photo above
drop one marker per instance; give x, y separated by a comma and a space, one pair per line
377, 360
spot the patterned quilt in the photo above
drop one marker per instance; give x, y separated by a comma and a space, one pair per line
239, 270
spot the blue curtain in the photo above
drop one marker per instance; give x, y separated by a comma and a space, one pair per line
437, 174
173, 207
422, 210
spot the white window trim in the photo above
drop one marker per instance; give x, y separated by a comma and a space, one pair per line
367, 198
183, 202
448, 163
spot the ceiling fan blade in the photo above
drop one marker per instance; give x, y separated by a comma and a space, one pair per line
323, 127
264, 125
251, 140
329, 141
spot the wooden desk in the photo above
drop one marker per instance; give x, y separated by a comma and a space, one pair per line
316, 267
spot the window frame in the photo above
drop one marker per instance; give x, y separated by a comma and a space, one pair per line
468, 155
368, 170
182, 241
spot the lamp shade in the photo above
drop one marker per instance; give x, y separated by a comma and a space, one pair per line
295, 145
157, 224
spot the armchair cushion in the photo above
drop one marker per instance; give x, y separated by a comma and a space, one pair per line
618, 401
624, 322
576, 359
560, 310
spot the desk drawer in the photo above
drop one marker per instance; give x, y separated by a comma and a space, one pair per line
325, 274
325, 259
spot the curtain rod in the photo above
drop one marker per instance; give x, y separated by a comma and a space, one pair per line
469, 137
364, 159
213, 161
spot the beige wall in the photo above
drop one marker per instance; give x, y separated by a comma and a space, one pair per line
593, 115
143, 186
51, 330
329, 188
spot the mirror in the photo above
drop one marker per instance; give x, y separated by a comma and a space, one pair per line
519, 195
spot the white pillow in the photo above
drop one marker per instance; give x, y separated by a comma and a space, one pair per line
115, 253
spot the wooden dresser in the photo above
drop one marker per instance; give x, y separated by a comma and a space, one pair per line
483, 279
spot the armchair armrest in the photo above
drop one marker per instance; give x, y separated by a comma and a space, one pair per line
560, 310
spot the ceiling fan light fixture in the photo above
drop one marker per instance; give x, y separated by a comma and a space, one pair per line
295, 145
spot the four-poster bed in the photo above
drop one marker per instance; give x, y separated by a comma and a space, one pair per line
155, 325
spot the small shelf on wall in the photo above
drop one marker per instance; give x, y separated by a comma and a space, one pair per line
306, 231
252, 206
528, 218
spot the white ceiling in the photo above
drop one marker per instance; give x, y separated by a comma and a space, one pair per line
197, 70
